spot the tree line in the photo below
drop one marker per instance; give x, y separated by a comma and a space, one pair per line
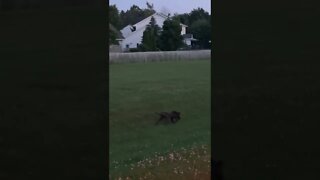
167, 38
164, 38
120, 19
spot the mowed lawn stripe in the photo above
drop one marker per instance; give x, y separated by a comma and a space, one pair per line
138, 91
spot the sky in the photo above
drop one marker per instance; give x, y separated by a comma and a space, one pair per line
166, 6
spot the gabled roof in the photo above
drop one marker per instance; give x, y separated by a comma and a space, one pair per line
161, 14
127, 32
165, 16
189, 36
183, 25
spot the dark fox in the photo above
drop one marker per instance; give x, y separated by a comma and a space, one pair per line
172, 116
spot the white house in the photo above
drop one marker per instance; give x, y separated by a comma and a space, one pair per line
133, 33
188, 39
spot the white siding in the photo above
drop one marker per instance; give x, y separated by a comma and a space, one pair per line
187, 41
133, 39
126, 31
183, 30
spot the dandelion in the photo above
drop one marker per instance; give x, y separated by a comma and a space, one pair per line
175, 171
195, 173
161, 158
171, 156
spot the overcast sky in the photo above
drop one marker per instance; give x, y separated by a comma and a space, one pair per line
170, 6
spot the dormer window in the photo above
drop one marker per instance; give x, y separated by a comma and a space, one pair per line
133, 28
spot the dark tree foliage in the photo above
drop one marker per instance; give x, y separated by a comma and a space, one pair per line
131, 16
150, 6
201, 30
198, 22
170, 38
114, 17
112, 36
150, 37
183, 18
135, 14
198, 14
189, 18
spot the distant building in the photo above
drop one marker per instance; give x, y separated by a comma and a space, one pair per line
189, 40
133, 33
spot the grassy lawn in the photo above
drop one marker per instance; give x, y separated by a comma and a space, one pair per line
137, 92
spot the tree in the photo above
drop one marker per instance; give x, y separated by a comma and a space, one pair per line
112, 37
151, 36
182, 18
170, 38
112, 34
198, 14
198, 22
193, 16
150, 6
114, 17
201, 30
149, 11
135, 14
131, 16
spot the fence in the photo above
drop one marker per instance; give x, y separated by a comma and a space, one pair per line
159, 56
115, 48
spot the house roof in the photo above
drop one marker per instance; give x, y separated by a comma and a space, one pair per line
189, 36
126, 30
161, 14
118, 33
165, 16
183, 25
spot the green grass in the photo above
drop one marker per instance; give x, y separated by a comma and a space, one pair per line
182, 164
138, 91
